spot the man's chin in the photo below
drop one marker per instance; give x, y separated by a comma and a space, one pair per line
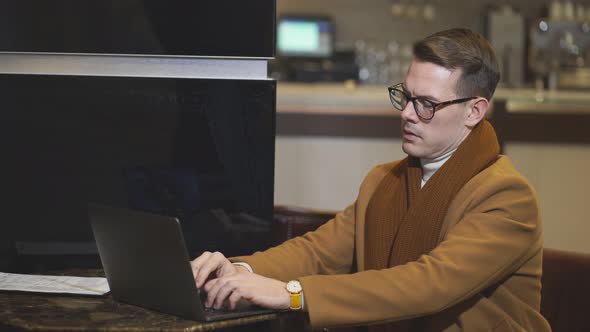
411, 150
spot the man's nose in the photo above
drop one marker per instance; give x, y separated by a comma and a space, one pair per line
408, 113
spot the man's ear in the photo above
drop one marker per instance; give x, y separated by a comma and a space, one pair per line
477, 111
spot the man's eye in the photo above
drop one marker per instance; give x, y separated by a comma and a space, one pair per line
424, 102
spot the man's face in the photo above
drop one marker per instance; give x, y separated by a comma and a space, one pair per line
447, 129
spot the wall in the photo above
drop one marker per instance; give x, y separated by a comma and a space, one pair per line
325, 172
559, 173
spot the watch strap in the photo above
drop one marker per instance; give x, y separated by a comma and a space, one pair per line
295, 301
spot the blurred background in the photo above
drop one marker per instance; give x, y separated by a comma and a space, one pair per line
335, 59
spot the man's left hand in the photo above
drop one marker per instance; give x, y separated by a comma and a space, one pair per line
254, 288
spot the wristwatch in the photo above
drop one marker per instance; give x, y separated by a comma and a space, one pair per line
294, 288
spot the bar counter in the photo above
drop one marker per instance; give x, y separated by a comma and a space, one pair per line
349, 110
353, 99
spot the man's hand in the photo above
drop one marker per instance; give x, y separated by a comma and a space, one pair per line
254, 288
208, 263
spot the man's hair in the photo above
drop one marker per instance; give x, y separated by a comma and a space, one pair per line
466, 50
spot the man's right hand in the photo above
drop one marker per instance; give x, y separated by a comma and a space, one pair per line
208, 263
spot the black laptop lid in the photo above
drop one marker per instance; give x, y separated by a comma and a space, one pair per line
145, 260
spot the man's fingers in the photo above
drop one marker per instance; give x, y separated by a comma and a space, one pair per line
211, 287
223, 292
204, 273
233, 299
202, 267
209, 284
198, 262
205, 264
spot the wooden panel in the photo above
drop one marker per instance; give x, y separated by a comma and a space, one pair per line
310, 124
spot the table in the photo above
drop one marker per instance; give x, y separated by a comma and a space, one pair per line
52, 312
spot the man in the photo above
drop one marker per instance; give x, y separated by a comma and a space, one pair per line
448, 239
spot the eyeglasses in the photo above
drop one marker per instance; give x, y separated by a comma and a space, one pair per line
423, 107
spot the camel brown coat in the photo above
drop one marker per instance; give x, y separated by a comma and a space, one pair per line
484, 274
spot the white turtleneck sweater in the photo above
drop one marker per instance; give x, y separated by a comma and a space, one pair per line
430, 166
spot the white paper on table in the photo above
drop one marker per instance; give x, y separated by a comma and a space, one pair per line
53, 284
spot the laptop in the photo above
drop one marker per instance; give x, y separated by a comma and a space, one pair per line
146, 264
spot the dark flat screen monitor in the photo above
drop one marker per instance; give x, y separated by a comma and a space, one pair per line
139, 27
305, 37
201, 150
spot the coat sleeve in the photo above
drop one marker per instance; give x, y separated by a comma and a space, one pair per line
330, 249
313, 253
498, 232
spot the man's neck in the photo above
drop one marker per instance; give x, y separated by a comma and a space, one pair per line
430, 166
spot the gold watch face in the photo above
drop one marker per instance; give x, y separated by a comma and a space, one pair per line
294, 286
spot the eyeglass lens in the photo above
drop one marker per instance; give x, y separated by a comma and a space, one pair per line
423, 108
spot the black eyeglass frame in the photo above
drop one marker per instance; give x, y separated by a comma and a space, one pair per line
435, 106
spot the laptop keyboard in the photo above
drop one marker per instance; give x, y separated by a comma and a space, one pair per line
212, 312
225, 310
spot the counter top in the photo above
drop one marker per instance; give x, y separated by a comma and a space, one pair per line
352, 99
333, 99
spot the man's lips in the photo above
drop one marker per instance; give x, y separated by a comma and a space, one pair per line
409, 134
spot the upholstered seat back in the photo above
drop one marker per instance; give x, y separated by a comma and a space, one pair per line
565, 296
292, 221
